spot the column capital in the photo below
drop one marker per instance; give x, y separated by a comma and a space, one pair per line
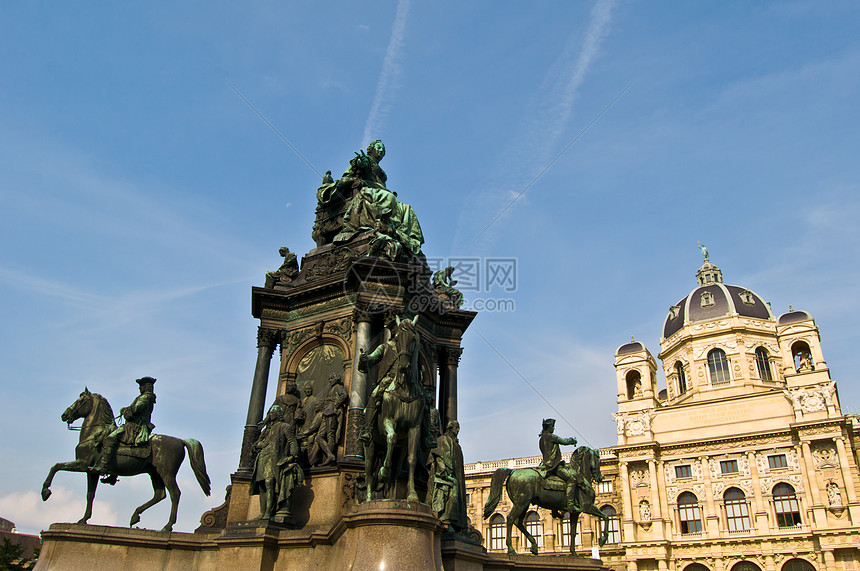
268, 337
452, 355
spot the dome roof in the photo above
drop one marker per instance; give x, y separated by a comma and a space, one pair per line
712, 300
632, 347
793, 317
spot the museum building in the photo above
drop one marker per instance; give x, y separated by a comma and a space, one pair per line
744, 462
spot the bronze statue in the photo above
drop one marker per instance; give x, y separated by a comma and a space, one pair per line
359, 201
286, 273
552, 463
160, 458
324, 427
526, 486
446, 489
276, 470
444, 284
397, 413
135, 431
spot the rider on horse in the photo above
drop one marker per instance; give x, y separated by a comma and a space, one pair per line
552, 462
136, 430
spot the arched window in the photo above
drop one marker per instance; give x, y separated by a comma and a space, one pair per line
762, 361
634, 384
745, 566
737, 511
682, 378
497, 532
718, 365
797, 565
786, 506
534, 527
689, 514
802, 357
614, 525
696, 567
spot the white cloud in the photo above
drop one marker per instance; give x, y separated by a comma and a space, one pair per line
31, 515
388, 83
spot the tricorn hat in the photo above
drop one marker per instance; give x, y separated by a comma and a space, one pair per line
548, 422
145, 381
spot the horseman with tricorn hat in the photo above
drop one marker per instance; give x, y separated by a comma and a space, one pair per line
136, 430
552, 463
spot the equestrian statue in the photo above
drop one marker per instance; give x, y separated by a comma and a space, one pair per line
107, 450
553, 485
397, 415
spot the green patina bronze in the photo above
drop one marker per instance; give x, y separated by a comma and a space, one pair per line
553, 485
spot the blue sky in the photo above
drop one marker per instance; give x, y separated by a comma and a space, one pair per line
142, 197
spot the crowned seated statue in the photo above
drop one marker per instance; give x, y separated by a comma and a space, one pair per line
359, 202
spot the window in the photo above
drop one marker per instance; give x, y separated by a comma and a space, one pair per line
614, 525
682, 378
763, 364
718, 366
689, 513
776, 461
737, 511
497, 532
534, 527
745, 566
683, 471
604, 487
729, 466
786, 506
797, 565
564, 532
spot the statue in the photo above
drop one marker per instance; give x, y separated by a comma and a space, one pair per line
359, 201
324, 428
834, 496
286, 273
161, 455
276, 470
444, 284
644, 512
526, 486
135, 431
552, 463
446, 490
704, 251
397, 414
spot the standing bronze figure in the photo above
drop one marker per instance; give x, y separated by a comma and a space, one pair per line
276, 470
160, 457
525, 486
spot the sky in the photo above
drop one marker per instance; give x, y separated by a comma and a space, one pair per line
154, 157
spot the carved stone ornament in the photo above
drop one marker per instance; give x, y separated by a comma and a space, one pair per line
644, 511
269, 337
638, 424
638, 478
674, 311
619, 423
747, 297
342, 328
707, 299
824, 456
296, 338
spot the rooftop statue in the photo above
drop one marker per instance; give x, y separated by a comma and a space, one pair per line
360, 201
704, 251
544, 487
444, 283
286, 273
128, 450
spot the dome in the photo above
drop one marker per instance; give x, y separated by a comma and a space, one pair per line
632, 347
793, 317
712, 300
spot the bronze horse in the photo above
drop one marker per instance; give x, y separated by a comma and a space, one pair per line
166, 454
525, 487
398, 427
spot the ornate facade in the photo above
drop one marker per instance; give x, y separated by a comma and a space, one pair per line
744, 462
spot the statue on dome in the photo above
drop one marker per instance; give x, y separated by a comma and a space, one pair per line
359, 202
704, 250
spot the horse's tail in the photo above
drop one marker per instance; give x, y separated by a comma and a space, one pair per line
500, 476
195, 454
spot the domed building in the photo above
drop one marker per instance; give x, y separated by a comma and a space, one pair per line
743, 462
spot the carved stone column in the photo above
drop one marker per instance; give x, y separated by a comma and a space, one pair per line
627, 503
449, 381
848, 480
358, 388
808, 470
267, 340
656, 508
759, 507
712, 520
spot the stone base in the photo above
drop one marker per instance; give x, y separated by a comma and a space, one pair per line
387, 534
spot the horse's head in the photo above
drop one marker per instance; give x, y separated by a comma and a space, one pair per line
78, 409
405, 340
593, 460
